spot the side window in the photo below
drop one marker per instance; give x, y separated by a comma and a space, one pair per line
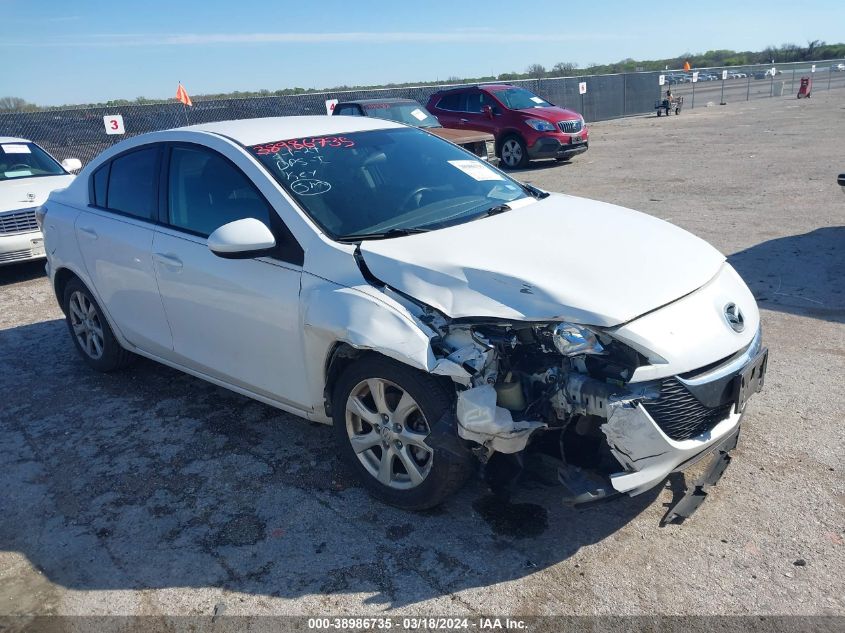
133, 183
473, 102
348, 110
100, 181
487, 100
454, 102
205, 192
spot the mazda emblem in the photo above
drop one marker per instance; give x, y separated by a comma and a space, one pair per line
734, 317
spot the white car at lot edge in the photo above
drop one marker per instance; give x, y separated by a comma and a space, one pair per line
27, 175
369, 275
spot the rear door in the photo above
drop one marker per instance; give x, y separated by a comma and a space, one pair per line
234, 319
449, 109
115, 235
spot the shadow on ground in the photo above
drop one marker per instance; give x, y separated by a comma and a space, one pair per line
150, 478
800, 274
16, 273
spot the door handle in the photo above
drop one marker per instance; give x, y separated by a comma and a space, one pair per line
464, 120
169, 261
88, 231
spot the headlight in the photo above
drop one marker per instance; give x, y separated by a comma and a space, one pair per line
571, 339
540, 125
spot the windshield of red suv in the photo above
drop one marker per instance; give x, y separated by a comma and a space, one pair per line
402, 112
520, 99
26, 160
381, 183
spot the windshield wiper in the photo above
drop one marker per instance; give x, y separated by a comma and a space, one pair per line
534, 192
495, 210
357, 237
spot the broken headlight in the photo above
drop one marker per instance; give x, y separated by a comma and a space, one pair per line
571, 339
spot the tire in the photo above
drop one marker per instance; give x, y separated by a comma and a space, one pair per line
417, 473
513, 152
659, 113
90, 331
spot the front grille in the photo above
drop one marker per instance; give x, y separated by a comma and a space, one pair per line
18, 222
680, 415
570, 127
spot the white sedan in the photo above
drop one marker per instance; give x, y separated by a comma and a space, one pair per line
369, 275
27, 175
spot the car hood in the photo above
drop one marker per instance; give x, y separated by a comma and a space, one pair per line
553, 114
459, 137
27, 193
562, 258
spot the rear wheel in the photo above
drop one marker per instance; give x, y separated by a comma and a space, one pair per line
383, 414
514, 153
90, 332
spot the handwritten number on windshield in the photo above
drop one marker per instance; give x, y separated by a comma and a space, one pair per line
296, 144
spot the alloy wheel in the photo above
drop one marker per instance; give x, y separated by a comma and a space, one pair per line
387, 430
86, 324
511, 152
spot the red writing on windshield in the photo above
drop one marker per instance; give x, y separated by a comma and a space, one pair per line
302, 143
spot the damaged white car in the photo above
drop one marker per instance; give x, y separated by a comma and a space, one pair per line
438, 313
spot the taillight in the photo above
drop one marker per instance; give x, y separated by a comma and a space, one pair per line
40, 212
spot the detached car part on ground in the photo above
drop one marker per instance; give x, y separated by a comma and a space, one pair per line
363, 273
27, 175
410, 112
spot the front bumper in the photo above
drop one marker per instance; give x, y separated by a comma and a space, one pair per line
554, 147
21, 247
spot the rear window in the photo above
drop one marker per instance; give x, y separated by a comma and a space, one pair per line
133, 183
409, 113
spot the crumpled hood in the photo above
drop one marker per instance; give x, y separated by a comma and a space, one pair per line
14, 193
562, 258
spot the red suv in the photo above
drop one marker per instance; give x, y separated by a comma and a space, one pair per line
525, 126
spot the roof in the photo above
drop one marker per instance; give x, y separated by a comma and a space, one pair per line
254, 131
383, 100
13, 139
492, 86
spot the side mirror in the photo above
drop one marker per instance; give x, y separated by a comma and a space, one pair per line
71, 164
488, 111
841, 181
242, 239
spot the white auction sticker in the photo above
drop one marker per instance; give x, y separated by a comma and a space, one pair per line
582, 87
330, 104
537, 100
419, 114
114, 124
477, 170
16, 149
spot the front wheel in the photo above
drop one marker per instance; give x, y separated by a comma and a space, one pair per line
514, 153
383, 414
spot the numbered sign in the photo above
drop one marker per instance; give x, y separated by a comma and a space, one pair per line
114, 124
724, 75
582, 87
330, 104
695, 77
774, 71
813, 68
661, 80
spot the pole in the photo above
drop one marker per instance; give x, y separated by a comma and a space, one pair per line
722, 99
829, 73
693, 95
748, 88
792, 85
185, 110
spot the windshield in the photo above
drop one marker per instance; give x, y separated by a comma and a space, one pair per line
385, 181
26, 160
520, 99
403, 112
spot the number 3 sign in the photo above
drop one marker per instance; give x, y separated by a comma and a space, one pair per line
114, 124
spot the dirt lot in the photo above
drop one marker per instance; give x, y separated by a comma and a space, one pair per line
150, 492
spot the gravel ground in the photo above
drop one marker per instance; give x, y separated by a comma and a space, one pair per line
151, 492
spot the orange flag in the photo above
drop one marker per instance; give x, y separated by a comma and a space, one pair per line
686, 67
182, 95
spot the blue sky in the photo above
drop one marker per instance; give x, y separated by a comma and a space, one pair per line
94, 50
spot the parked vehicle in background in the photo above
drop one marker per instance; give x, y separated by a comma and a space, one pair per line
762, 74
27, 176
410, 112
838, 68
362, 273
526, 127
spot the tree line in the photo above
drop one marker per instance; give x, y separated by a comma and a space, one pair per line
785, 53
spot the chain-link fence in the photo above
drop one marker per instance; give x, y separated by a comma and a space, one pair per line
81, 133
